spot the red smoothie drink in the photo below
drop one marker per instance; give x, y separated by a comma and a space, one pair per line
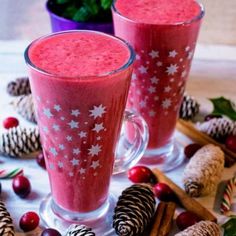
163, 34
80, 82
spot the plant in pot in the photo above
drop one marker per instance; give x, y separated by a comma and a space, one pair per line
80, 14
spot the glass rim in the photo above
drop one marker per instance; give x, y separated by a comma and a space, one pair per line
194, 19
44, 72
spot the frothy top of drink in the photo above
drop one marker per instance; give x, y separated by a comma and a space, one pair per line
81, 53
158, 11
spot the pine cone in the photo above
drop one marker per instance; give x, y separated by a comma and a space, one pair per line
218, 128
189, 108
202, 228
24, 106
6, 224
204, 171
18, 142
134, 210
20, 86
79, 230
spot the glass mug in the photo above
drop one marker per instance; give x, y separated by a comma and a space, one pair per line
164, 54
80, 120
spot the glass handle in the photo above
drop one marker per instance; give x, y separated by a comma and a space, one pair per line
132, 143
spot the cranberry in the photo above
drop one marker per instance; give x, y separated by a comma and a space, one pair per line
164, 193
211, 116
50, 232
141, 174
10, 122
21, 186
191, 149
40, 160
29, 221
186, 219
230, 143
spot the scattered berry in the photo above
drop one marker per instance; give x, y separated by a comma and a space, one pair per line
10, 122
141, 174
230, 143
29, 221
21, 186
50, 232
40, 160
164, 193
186, 219
211, 116
191, 149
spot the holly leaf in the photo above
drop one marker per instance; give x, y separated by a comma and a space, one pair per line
223, 106
230, 226
82, 14
106, 4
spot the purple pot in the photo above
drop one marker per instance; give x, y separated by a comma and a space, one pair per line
59, 23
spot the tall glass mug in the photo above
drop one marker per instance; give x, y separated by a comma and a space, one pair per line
163, 35
80, 82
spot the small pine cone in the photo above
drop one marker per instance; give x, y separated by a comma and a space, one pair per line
218, 128
18, 142
202, 228
20, 86
134, 210
6, 224
24, 106
79, 230
189, 108
204, 170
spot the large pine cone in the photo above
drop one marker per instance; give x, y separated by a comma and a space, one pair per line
79, 230
20, 86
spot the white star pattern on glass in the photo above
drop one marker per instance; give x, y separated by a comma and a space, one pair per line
152, 89
172, 69
152, 113
75, 113
184, 73
99, 138
142, 69
134, 76
137, 57
95, 164
73, 124
166, 103
60, 164
47, 112
82, 171
187, 49
143, 103
71, 174
62, 118
76, 151
65, 156
190, 55
154, 54
95, 174
53, 151
94, 150
82, 134
69, 138
45, 129
159, 63
61, 147
56, 127
138, 92
156, 98
167, 89
181, 59
51, 166
154, 80
38, 98
97, 111
173, 54
172, 80
98, 127
57, 108
74, 162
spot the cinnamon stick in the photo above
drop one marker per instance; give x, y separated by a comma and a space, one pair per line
187, 202
189, 130
163, 219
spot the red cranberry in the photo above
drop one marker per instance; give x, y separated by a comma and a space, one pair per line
191, 149
186, 219
50, 232
211, 116
29, 221
21, 186
230, 143
164, 193
40, 160
10, 122
141, 174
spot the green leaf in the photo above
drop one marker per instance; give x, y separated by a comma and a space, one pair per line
70, 12
230, 227
62, 1
223, 106
91, 6
82, 14
106, 4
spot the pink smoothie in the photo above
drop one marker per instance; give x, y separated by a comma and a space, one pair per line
163, 34
79, 112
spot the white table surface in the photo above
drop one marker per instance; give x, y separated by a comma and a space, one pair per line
12, 66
